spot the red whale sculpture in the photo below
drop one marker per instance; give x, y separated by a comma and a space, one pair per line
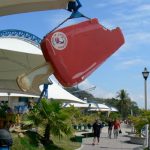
77, 50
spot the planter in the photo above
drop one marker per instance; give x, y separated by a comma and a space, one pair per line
79, 138
89, 126
137, 140
85, 127
75, 127
79, 127
88, 135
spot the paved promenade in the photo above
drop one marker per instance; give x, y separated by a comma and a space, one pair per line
122, 143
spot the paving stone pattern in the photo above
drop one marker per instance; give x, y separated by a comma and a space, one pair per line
122, 143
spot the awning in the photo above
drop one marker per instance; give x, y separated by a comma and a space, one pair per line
92, 107
8, 7
77, 105
113, 109
16, 57
56, 92
17, 95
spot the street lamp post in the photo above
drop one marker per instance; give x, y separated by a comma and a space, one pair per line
145, 76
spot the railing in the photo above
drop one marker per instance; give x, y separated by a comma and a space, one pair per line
23, 35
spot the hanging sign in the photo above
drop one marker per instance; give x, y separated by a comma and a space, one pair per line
77, 50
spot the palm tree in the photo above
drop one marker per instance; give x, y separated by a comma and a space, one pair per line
135, 109
74, 113
140, 121
124, 105
50, 115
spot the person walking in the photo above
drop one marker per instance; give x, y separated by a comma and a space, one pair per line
97, 126
110, 126
116, 126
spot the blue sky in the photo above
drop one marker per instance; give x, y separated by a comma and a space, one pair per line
123, 69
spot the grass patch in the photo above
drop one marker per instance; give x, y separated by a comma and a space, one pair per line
66, 143
31, 141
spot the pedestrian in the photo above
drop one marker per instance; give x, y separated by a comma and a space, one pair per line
97, 126
116, 126
110, 126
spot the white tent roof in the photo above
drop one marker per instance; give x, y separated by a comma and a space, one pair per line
100, 107
8, 7
86, 105
17, 95
17, 56
91, 106
56, 92
113, 109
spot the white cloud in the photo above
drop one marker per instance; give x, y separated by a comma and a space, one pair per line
134, 42
129, 63
132, 62
145, 7
142, 37
100, 5
112, 2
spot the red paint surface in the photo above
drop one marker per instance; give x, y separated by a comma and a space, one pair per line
88, 45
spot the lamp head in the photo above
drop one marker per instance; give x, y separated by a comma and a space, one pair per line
145, 73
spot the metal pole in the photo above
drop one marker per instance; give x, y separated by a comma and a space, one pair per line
145, 94
145, 89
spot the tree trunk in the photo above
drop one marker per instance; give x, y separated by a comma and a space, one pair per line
46, 138
47, 132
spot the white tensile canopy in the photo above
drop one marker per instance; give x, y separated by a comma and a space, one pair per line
92, 107
78, 105
101, 107
17, 95
113, 109
16, 57
56, 92
8, 7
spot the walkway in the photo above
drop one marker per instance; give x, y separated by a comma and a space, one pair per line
122, 143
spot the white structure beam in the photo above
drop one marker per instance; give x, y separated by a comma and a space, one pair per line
8, 7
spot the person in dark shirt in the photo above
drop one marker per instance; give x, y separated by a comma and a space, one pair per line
97, 126
110, 126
